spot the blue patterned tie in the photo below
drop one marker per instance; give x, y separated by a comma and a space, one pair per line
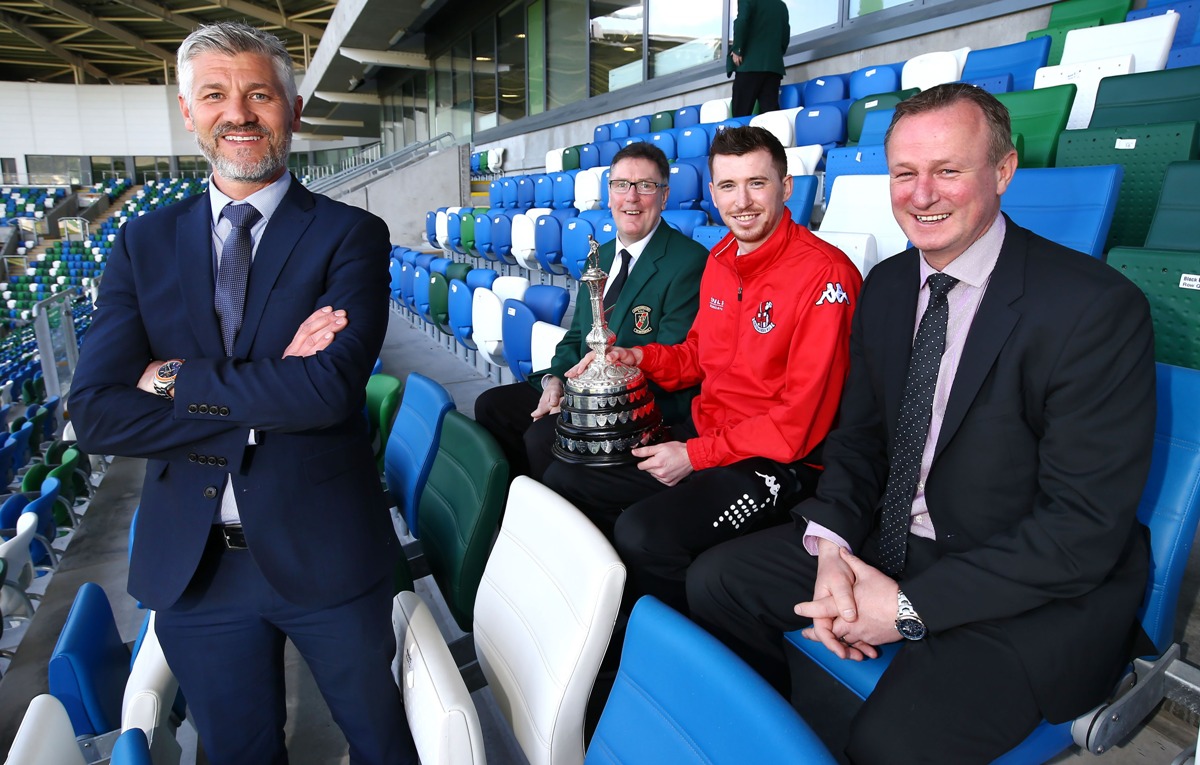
230, 295
916, 410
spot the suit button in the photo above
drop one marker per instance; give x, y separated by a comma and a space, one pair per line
204, 409
210, 492
192, 408
192, 457
222, 462
224, 411
212, 461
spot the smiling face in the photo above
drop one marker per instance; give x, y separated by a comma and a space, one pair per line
636, 214
242, 119
750, 195
945, 191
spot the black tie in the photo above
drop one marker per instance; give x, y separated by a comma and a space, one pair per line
229, 297
916, 409
618, 281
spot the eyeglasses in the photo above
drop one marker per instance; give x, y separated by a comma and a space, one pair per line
645, 188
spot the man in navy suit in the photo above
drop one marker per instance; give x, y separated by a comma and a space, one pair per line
212, 356
1013, 564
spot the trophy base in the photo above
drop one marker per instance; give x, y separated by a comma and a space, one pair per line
601, 428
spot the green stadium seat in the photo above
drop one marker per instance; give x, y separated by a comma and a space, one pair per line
1170, 95
662, 121
1145, 151
1102, 11
460, 511
1171, 281
1178, 210
857, 113
383, 401
570, 158
1040, 116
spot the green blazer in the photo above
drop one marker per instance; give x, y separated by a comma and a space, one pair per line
760, 36
657, 305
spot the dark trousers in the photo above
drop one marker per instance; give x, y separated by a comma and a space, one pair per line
504, 412
659, 530
960, 696
224, 640
749, 87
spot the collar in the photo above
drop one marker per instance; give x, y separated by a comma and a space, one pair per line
765, 254
974, 266
266, 200
637, 248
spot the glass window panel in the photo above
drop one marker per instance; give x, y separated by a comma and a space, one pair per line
511, 63
803, 15
683, 34
617, 41
863, 7
566, 75
483, 46
537, 56
461, 53
443, 90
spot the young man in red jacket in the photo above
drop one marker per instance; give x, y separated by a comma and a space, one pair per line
769, 349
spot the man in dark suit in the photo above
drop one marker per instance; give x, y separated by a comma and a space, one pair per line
211, 355
654, 302
980, 492
760, 38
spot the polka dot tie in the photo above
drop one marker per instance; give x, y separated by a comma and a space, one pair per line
229, 297
916, 409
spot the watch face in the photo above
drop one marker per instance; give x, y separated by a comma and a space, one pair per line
168, 370
910, 629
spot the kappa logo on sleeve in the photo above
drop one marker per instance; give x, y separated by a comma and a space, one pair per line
833, 294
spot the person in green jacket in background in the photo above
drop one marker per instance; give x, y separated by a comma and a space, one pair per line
760, 37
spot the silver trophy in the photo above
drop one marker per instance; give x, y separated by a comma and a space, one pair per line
609, 409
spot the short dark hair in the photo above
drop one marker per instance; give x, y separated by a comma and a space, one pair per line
644, 150
944, 96
737, 141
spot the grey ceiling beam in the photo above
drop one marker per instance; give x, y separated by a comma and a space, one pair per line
108, 28
181, 20
42, 41
262, 14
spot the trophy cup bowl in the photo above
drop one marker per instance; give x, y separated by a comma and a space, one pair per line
609, 409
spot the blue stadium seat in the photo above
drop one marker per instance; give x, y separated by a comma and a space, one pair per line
502, 239
853, 160
871, 80
640, 125
822, 90
601, 133
431, 228
709, 235
1189, 14
548, 247
524, 192
605, 151
1020, 61
89, 666
663, 707
618, 130
687, 116
543, 190
804, 195
1170, 508
562, 190
665, 140
693, 142
685, 221
413, 444
575, 245
1073, 206
541, 302
875, 125
589, 156
483, 234
686, 181
791, 96
821, 125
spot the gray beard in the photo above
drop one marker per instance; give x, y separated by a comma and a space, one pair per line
247, 171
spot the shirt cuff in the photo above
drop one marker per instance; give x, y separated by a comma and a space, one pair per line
546, 377
815, 532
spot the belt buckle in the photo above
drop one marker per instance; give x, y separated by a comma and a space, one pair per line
233, 537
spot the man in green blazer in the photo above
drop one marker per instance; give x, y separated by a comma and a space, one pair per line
655, 301
760, 38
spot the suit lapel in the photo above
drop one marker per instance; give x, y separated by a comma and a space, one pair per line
992, 325
194, 253
898, 329
287, 225
647, 267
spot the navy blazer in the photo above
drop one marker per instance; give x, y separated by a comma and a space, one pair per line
1039, 465
308, 493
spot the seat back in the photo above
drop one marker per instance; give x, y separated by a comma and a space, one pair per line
460, 510
89, 667
587, 191
860, 248
575, 246
1086, 77
804, 160
516, 328
1020, 60
822, 90
14, 599
926, 70
563, 189
1073, 206
1172, 95
1144, 151
544, 341
687, 116
45, 736
413, 443
1039, 116
383, 400
871, 80
825, 125
1178, 209
131, 748
1163, 275
1148, 40
781, 124
875, 125
548, 302
858, 110
1100, 11
709, 236
715, 110
440, 712
804, 195
1189, 15
693, 142
459, 306
685, 221
686, 186
853, 160
543, 618
862, 204
547, 241
674, 680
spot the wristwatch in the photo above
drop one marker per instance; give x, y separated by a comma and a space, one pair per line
908, 624
164, 378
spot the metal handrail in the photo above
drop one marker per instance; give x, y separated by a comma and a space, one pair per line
353, 179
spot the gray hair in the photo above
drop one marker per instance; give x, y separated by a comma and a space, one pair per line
231, 38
